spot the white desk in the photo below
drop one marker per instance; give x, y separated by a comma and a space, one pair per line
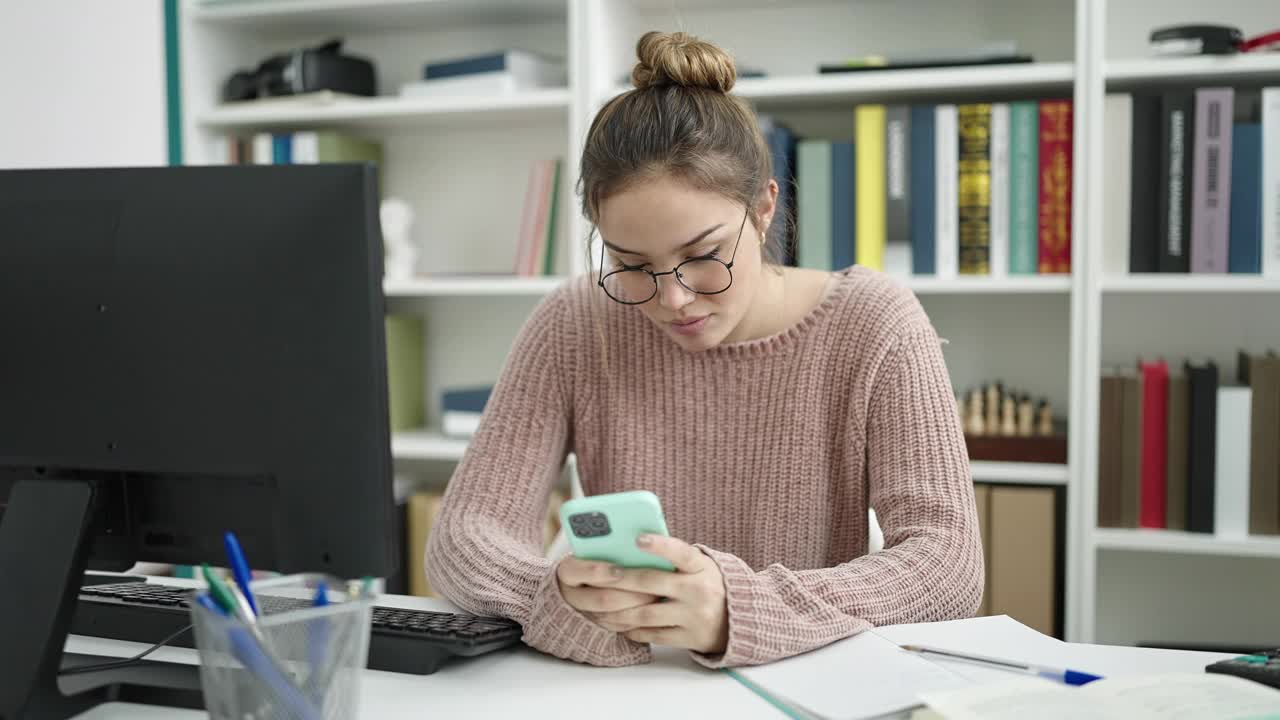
519, 682
524, 683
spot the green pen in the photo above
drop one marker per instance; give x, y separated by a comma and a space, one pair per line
228, 597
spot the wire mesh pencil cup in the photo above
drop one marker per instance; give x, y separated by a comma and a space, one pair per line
298, 662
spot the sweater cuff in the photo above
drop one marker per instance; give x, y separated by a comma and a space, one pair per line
557, 628
743, 647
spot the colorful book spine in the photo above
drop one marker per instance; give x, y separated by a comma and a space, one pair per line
999, 258
813, 166
1231, 493
281, 149
1202, 446
1024, 187
842, 202
1145, 158
1211, 180
1244, 245
1155, 419
263, 150
897, 143
1117, 126
923, 191
549, 247
946, 185
1271, 182
1055, 187
869, 128
1177, 111
782, 150
973, 195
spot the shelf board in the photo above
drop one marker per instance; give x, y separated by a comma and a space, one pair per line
1018, 473
346, 16
977, 285
343, 111
1199, 69
888, 84
1190, 283
1184, 543
426, 445
496, 285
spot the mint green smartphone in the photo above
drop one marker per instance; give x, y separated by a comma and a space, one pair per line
605, 528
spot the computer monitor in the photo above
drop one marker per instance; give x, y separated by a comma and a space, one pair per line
184, 351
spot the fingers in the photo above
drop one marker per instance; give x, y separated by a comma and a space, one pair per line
652, 582
684, 556
604, 600
653, 615
575, 572
672, 636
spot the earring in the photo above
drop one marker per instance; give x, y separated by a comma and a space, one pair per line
763, 238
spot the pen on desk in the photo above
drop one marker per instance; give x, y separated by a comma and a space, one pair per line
1070, 677
239, 568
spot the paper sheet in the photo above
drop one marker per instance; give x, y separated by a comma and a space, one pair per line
1177, 696
863, 676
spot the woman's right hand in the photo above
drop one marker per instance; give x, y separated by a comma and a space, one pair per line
585, 586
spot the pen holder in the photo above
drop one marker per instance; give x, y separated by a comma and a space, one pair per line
299, 661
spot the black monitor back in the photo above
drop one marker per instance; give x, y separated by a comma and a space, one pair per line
207, 344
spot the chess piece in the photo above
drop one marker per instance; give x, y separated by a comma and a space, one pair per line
992, 405
1045, 417
1008, 421
401, 252
1026, 417
975, 424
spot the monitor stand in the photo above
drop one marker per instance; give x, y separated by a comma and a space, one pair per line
45, 533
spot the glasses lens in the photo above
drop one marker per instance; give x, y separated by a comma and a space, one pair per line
705, 276
629, 286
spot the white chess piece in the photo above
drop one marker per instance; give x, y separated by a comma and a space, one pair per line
401, 252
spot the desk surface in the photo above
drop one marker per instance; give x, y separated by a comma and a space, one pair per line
524, 683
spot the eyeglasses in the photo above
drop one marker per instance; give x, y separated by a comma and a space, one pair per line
705, 275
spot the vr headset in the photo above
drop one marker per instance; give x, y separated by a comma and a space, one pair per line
305, 70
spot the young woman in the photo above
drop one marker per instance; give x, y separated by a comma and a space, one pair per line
767, 406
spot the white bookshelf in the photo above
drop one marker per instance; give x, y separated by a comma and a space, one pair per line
975, 285
363, 15
1193, 284
1207, 69
371, 114
1019, 473
1131, 585
1185, 543
426, 445
463, 164
493, 286
888, 85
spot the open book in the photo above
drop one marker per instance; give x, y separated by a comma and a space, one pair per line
1176, 696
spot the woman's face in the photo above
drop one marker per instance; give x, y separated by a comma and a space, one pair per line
659, 224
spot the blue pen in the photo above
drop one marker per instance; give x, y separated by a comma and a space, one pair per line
250, 654
318, 644
239, 568
259, 664
1070, 677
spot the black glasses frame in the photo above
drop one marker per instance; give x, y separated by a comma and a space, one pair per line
673, 271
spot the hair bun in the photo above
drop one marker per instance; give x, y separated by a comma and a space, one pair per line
681, 59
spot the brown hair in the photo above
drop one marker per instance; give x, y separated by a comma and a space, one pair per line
679, 120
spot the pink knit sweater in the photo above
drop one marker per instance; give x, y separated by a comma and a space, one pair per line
765, 453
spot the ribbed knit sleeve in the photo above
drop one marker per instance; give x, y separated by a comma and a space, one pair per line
484, 552
931, 567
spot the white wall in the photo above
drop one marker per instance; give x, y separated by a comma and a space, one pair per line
82, 83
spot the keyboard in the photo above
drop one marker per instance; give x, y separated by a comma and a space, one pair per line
417, 642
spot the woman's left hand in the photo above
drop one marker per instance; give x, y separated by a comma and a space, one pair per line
691, 612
